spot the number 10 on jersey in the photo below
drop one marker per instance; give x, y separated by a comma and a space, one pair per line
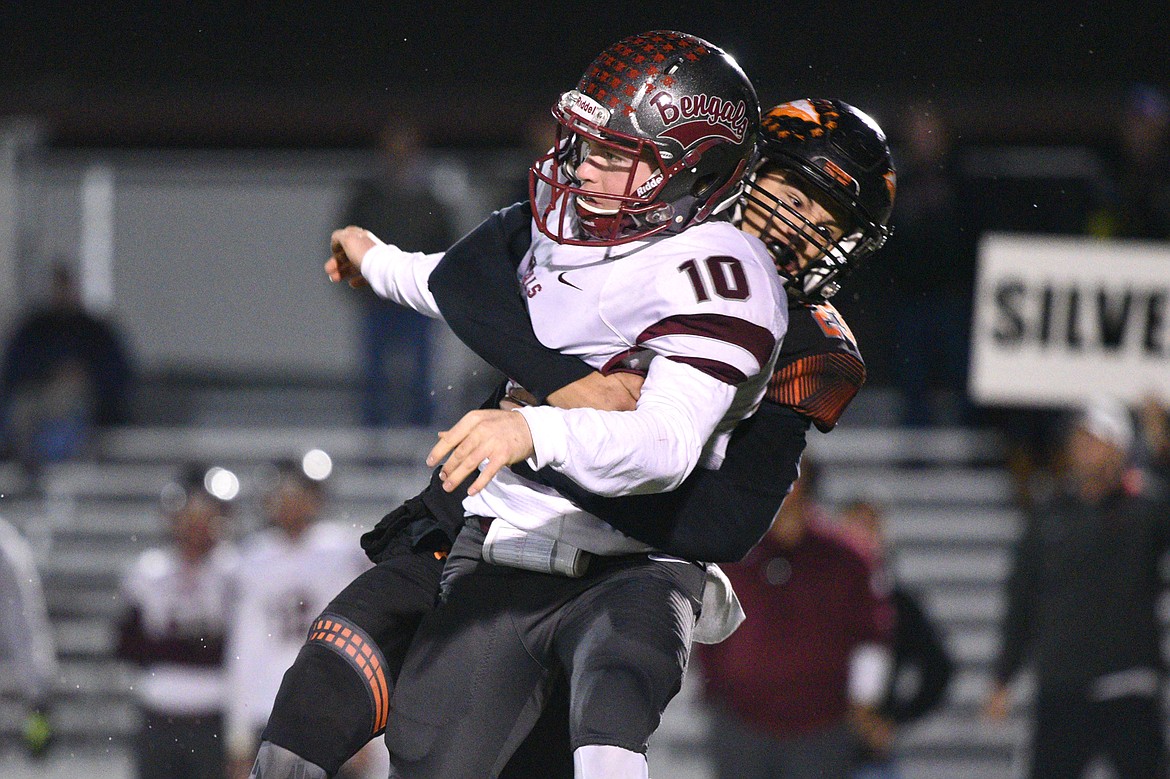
724, 275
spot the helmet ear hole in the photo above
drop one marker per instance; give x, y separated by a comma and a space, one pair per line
705, 185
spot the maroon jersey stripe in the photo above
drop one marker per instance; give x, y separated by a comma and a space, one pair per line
757, 340
714, 368
613, 364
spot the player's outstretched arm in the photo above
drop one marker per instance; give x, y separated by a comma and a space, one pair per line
359, 257
475, 286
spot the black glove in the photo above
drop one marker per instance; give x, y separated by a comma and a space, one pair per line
408, 528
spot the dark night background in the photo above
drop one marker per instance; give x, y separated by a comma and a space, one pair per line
192, 158
325, 74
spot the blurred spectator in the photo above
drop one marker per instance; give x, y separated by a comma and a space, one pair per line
1137, 194
539, 134
28, 663
65, 371
930, 259
1133, 202
177, 600
288, 573
1082, 608
814, 646
1154, 418
398, 206
922, 666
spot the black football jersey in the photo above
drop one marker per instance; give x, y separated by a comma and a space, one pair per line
820, 369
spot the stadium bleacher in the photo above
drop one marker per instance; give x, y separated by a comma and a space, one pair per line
948, 497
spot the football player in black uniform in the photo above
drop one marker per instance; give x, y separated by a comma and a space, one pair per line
820, 196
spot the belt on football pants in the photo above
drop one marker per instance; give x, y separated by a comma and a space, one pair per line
510, 546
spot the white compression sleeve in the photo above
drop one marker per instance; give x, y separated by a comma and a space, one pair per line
402, 277
650, 449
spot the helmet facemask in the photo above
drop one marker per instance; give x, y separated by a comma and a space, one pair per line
577, 215
832, 258
838, 156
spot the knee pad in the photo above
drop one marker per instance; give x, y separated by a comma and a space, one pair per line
624, 672
334, 698
601, 761
273, 762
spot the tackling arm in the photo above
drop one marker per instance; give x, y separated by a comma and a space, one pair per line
715, 515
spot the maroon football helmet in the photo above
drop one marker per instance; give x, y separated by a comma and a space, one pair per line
671, 99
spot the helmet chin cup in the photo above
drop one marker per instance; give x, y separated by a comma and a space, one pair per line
817, 283
594, 209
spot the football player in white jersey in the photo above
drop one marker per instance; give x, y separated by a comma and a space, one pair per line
288, 572
177, 601
625, 267
821, 196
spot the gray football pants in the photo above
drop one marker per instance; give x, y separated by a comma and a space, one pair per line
482, 664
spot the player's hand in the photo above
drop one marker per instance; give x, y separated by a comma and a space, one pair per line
348, 246
487, 440
615, 392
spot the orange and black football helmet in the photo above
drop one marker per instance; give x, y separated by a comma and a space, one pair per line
842, 152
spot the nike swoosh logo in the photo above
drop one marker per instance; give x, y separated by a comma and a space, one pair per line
561, 279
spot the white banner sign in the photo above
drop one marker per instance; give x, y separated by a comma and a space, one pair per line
1058, 320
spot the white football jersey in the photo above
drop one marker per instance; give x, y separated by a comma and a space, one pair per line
282, 585
178, 603
707, 303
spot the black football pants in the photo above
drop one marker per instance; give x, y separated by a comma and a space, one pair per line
334, 698
484, 663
